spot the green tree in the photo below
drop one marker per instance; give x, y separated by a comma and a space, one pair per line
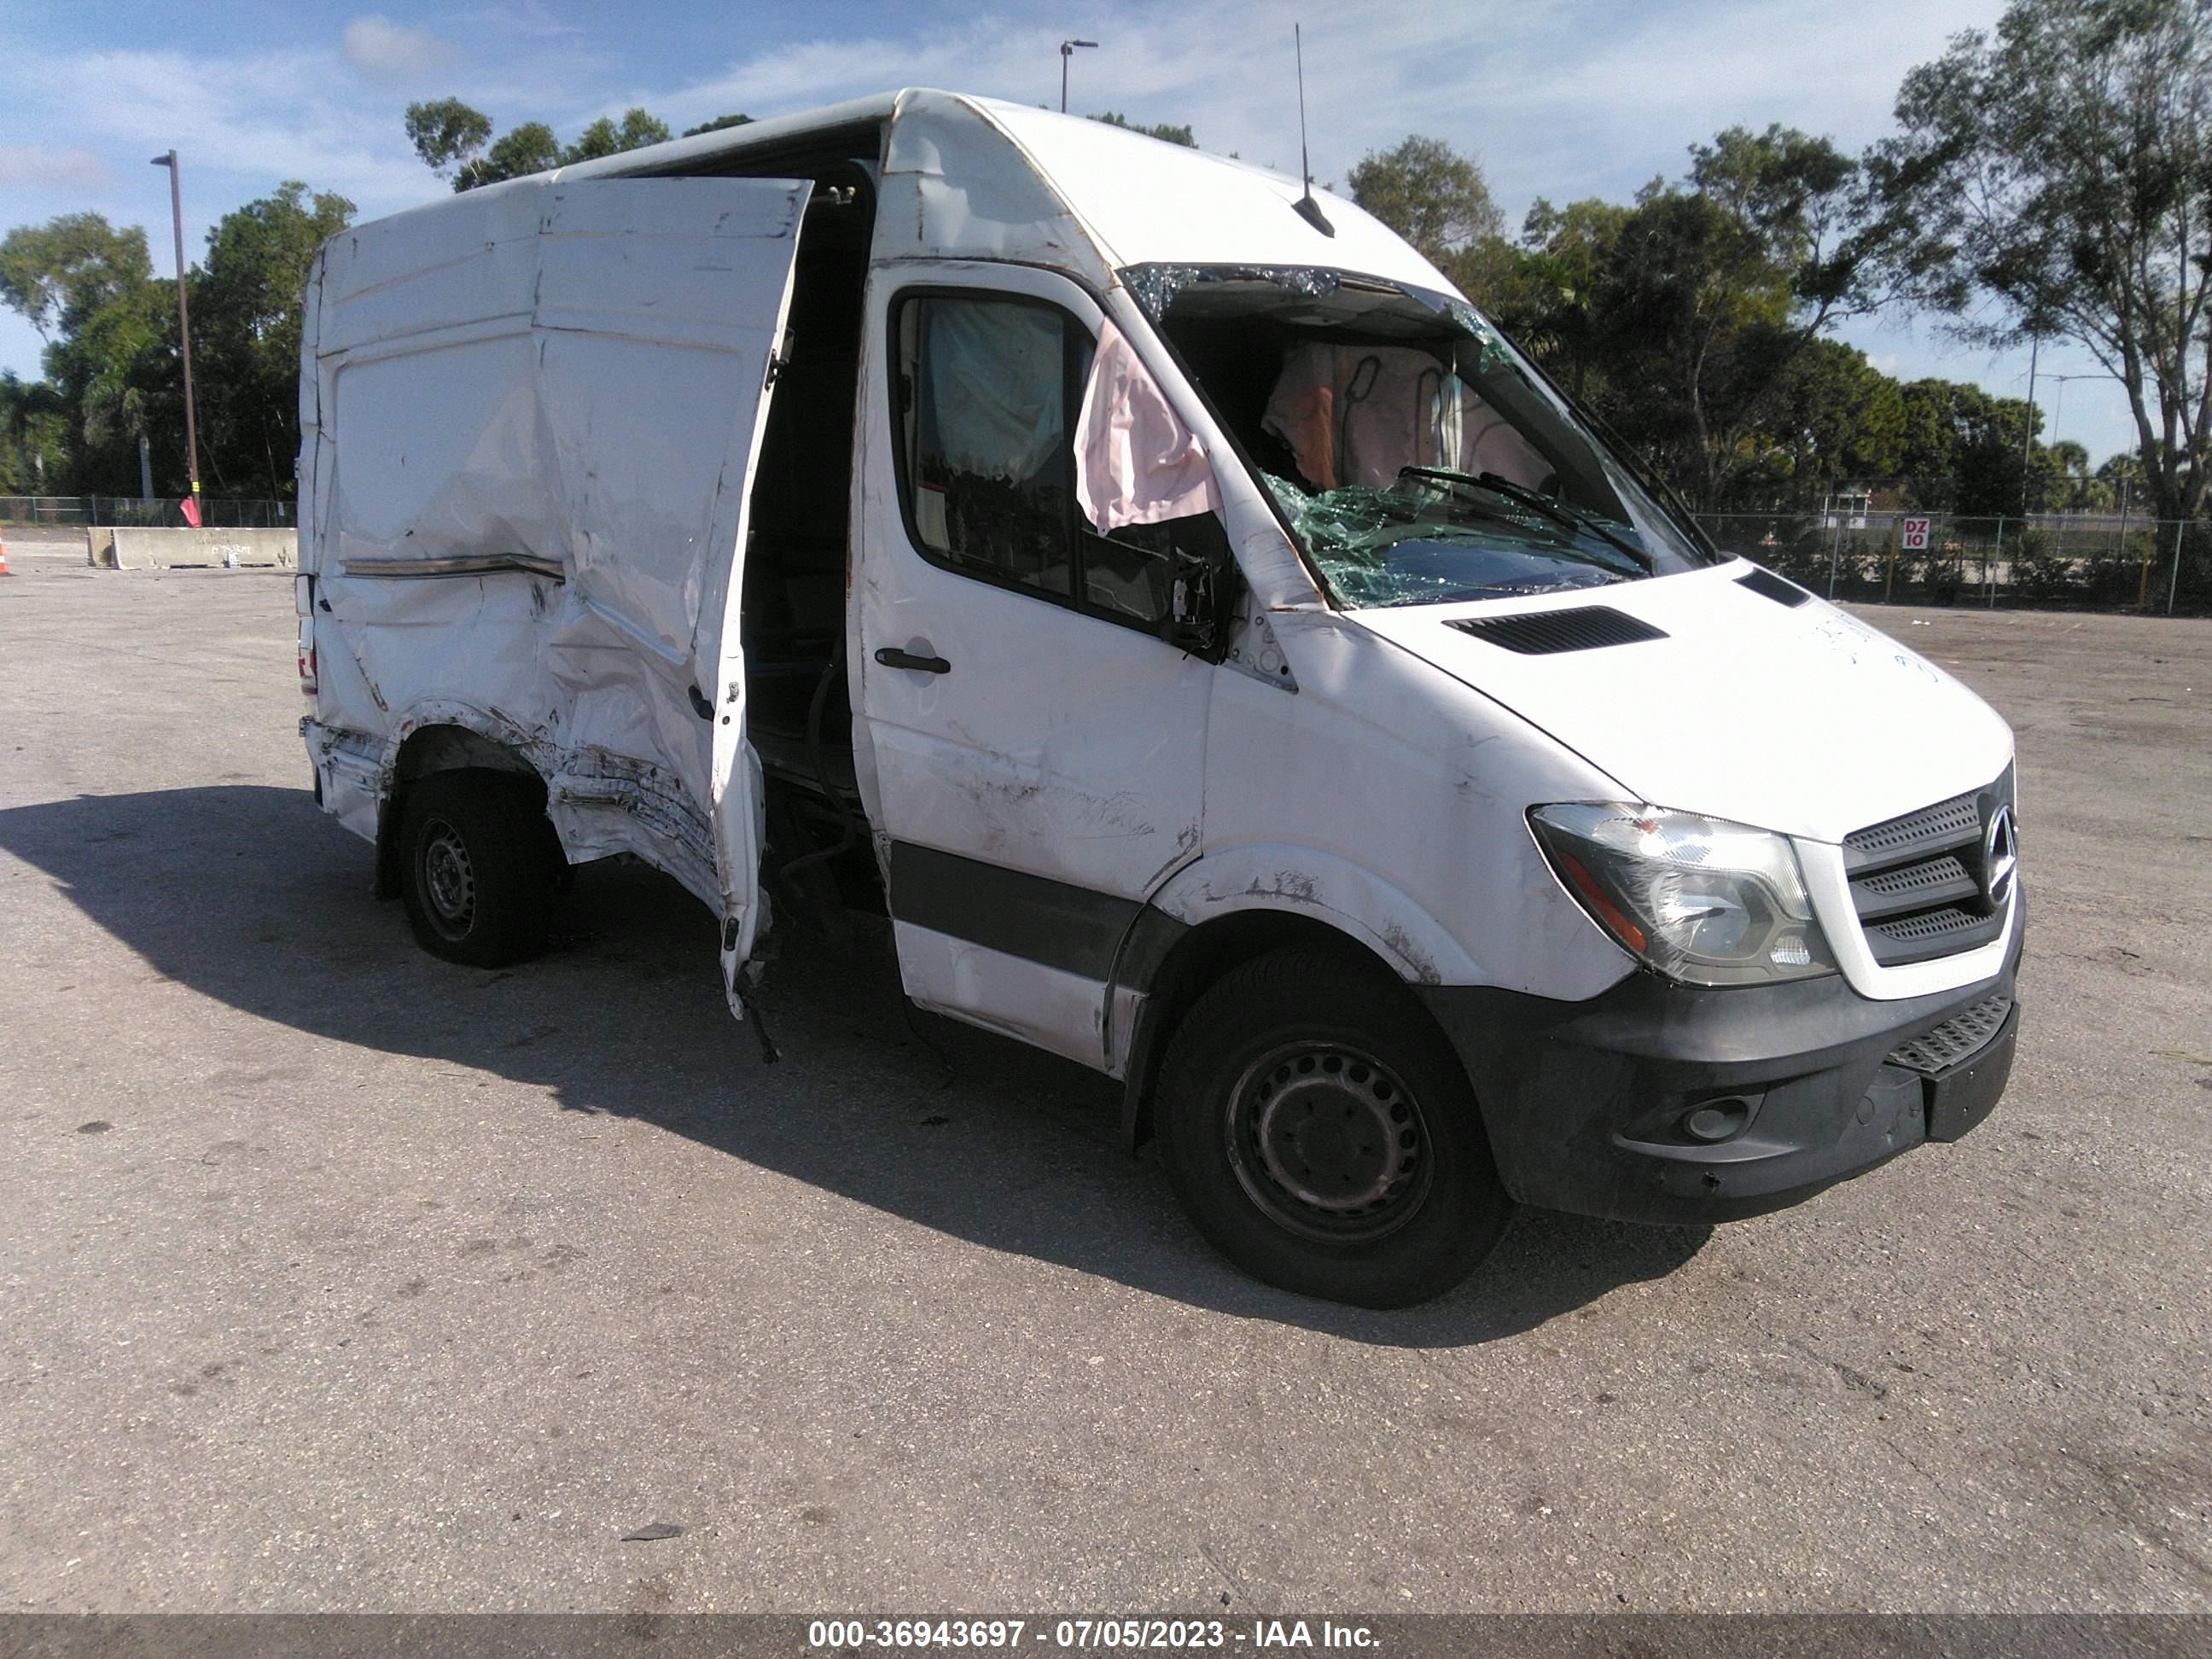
518, 152
88, 287
1961, 442
718, 124
456, 142
448, 134
1430, 194
113, 370
33, 431
603, 138
1832, 417
245, 334
58, 274
2064, 467
1166, 133
2121, 480
1545, 293
1711, 287
2063, 168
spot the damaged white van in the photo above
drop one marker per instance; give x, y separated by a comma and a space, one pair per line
1230, 664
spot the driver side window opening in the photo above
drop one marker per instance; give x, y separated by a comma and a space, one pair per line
983, 401
990, 394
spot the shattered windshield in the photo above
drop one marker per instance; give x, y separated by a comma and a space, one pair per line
1414, 452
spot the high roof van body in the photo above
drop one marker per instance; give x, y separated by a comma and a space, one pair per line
1230, 664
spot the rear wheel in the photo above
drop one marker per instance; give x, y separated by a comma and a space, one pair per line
1323, 1135
478, 883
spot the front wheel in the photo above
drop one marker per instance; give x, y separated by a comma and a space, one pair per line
1323, 1135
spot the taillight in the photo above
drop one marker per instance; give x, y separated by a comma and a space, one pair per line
307, 687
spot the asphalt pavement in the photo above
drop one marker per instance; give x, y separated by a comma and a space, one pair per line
334, 1277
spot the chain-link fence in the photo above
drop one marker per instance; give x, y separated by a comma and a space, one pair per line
2069, 561
222, 512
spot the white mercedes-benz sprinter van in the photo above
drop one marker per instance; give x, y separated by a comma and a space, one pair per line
1228, 661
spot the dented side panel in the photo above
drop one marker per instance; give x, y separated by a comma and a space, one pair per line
535, 419
1389, 803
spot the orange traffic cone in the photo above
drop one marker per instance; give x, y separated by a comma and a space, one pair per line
4, 571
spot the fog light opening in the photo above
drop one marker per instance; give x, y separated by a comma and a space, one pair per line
1715, 1120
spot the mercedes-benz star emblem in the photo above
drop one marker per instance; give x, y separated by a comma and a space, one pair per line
2000, 857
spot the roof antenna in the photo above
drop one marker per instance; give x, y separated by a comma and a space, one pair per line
1305, 207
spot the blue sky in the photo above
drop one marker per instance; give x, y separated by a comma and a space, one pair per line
1559, 98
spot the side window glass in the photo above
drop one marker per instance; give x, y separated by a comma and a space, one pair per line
983, 390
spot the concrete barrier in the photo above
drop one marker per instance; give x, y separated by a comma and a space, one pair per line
127, 547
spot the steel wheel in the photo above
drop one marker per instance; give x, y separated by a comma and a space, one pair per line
478, 879
1322, 1134
1326, 1139
449, 880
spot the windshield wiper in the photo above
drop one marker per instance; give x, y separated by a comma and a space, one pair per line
1557, 511
1653, 481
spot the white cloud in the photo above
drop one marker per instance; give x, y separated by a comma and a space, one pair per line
1560, 98
34, 167
276, 116
386, 50
239, 123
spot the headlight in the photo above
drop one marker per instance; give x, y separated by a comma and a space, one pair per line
1700, 899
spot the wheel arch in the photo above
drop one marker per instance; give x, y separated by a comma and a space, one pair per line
1168, 961
441, 738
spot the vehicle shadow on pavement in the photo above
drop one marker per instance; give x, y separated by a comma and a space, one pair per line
248, 895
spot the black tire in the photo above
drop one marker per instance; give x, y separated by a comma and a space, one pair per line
474, 872
1323, 1136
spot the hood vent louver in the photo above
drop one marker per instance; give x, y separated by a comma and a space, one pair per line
1768, 586
1546, 633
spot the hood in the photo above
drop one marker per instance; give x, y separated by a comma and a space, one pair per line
1794, 718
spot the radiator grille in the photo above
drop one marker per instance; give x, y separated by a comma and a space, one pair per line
1919, 882
1947, 824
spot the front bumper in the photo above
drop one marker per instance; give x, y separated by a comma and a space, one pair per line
1588, 1104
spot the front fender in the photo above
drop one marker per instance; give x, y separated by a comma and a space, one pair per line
1329, 889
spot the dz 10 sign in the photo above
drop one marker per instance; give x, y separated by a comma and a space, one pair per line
1915, 535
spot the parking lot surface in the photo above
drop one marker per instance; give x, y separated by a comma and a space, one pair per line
333, 1276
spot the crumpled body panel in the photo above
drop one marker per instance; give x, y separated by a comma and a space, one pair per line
534, 412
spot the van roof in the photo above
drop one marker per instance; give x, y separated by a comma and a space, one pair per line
964, 177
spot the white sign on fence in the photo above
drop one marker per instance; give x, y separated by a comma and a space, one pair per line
1915, 538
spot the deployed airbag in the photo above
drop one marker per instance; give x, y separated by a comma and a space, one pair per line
1135, 461
1356, 413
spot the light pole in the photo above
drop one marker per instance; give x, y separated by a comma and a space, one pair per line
183, 329
1067, 51
2058, 405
